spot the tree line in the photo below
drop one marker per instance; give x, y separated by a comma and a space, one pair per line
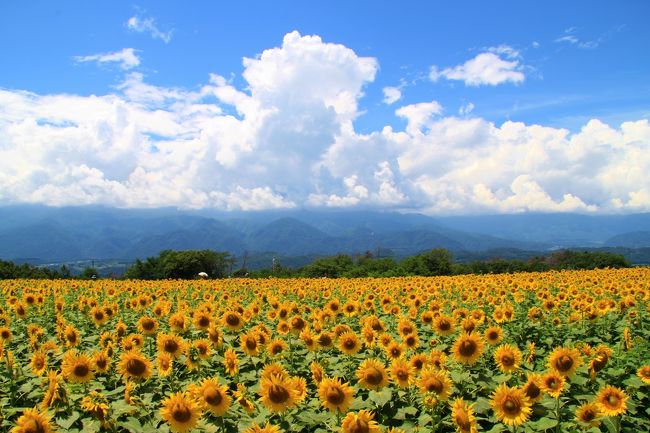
187, 264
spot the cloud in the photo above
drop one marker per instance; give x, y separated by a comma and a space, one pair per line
148, 25
286, 138
570, 38
485, 69
465, 109
391, 95
127, 58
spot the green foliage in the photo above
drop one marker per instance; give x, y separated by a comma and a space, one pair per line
181, 265
10, 270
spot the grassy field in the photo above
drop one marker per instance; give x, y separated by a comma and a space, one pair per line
556, 352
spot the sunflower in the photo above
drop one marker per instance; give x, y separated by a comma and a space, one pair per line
203, 347
277, 393
644, 374
308, 339
508, 358
276, 347
335, 396
468, 348
77, 368
202, 321
101, 361
39, 362
394, 350
533, 387
233, 320
444, 325
411, 341
181, 412
5, 334
71, 336
215, 336
349, 343
212, 396
99, 316
565, 361
493, 335
165, 364
134, 365
553, 383
511, 406
588, 414
53, 391
438, 359
96, 404
612, 401
249, 343
418, 361
148, 325
268, 428
231, 362
372, 374
173, 345
463, 416
178, 322
435, 381
274, 369
300, 385
33, 421
316, 372
402, 372
360, 422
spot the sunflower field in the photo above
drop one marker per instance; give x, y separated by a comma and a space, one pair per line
544, 352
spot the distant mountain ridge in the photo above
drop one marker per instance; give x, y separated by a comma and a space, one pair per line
75, 233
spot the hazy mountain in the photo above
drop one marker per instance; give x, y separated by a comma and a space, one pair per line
637, 239
72, 233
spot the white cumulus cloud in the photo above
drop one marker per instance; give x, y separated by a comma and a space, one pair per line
148, 25
484, 69
286, 138
126, 58
391, 95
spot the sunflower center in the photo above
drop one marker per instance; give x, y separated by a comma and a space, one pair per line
588, 415
99, 315
613, 400
101, 363
435, 385
373, 376
278, 394
33, 426
511, 406
170, 346
564, 363
418, 363
251, 344
81, 370
402, 374
181, 413
395, 352
39, 362
492, 335
335, 395
349, 344
532, 391
204, 322
324, 340
444, 325
551, 383
136, 367
232, 319
148, 325
507, 360
467, 348
212, 396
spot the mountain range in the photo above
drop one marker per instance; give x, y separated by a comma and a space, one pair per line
42, 234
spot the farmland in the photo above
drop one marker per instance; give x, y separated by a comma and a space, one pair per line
555, 351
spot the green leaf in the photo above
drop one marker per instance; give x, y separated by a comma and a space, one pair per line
424, 419
545, 423
66, 423
132, 425
91, 425
497, 428
406, 412
382, 397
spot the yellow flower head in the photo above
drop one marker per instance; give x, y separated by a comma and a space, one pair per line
511, 406
181, 412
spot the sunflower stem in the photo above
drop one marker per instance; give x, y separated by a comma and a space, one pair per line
557, 414
617, 423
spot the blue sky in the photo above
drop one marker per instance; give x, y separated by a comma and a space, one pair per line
437, 107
